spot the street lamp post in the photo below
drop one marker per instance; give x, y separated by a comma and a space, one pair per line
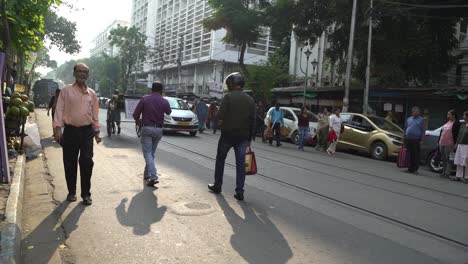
314, 66
307, 53
349, 58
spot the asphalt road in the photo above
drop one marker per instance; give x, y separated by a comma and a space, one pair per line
302, 207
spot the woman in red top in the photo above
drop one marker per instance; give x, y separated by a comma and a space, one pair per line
303, 127
448, 137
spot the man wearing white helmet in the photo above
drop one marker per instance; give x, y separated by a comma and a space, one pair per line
236, 118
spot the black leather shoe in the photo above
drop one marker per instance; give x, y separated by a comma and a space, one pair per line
87, 200
239, 196
152, 182
118, 131
71, 198
213, 188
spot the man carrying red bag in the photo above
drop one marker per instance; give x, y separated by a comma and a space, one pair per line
236, 118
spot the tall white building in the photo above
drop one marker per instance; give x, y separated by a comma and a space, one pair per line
101, 43
174, 28
140, 14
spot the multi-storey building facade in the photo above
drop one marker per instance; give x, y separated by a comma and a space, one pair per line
189, 57
101, 43
140, 14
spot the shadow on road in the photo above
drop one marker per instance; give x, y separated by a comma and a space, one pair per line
142, 212
41, 244
255, 238
118, 141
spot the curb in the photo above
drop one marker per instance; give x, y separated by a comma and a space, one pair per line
10, 243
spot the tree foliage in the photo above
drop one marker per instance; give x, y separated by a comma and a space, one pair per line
412, 45
267, 75
104, 71
23, 23
61, 33
242, 20
64, 72
132, 47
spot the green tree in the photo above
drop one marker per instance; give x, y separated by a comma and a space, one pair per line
267, 75
41, 58
242, 20
64, 72
105, 71
132, 47
412, 44
23, 26
61, 33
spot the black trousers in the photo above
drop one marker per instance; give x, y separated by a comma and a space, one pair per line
414, 148
77, 144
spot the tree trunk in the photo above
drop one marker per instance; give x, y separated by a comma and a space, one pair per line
243, 48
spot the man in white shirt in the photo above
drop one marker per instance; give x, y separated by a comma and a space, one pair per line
335, 125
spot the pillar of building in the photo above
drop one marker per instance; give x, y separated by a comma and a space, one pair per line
464, 61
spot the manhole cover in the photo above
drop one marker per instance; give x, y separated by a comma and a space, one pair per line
191, 208
197, 206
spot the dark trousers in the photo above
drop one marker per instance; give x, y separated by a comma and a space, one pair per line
214, 124
224, 145
277, 134
414, 149
77, 144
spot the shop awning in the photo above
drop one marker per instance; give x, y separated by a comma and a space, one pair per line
308, 95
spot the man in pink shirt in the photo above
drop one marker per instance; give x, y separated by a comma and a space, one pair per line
76, 123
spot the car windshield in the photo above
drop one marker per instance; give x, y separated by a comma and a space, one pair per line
312, 116
177, 104
384, 124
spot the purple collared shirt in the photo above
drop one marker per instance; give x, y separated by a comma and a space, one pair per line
152, 107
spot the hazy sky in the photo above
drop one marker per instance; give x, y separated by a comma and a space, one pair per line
91, 17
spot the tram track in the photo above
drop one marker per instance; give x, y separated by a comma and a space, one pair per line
340, 201
308, 170
335, 200
271, 150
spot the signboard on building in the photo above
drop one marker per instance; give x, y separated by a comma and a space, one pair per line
387, 107
216, 89
399, 108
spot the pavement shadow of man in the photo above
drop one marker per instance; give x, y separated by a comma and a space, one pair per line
49, 235
142, 212
255, 238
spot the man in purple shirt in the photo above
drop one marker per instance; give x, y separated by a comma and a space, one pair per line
152, 108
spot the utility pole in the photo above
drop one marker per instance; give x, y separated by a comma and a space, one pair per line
349, 59
365, 106
179, 61
136, 70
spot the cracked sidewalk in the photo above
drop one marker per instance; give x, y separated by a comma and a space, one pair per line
44, 234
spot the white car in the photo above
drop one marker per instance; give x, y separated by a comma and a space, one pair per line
181, 119
291, 121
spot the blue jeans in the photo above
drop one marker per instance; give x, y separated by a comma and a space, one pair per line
201, 122
150, 137
303, 133
224, 145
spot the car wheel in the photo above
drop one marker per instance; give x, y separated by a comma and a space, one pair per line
433, 166
193, 133
295, 138
379, 151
